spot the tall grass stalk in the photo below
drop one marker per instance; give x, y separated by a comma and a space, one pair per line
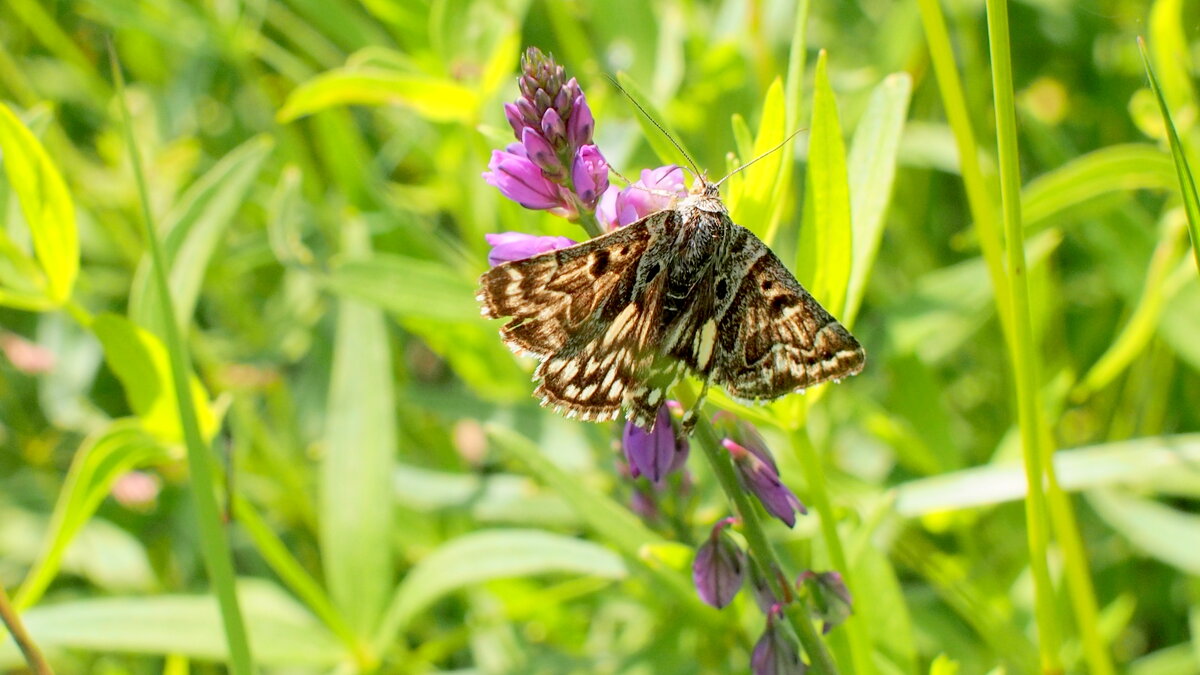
217, 557
1024, 350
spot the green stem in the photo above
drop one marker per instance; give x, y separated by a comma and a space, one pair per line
760, 547
12, 621
1024, 353
217, 557
814, 474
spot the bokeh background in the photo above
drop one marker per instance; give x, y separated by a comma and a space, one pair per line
394, 499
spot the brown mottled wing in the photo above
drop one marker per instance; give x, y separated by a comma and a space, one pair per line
775, 338
589, 312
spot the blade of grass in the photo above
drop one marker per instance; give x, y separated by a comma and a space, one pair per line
217, 557
1024, 350
1187, 185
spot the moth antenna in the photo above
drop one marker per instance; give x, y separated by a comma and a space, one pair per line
627, 181
747, 164
695, 170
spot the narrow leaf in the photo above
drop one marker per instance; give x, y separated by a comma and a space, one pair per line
407, 287
45, 202
823, 258
436, 99
872, 168
355, 475
193, 230
1187, 185
484, 556
140, 362
102, 458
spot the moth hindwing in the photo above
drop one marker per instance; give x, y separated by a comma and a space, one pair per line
617, 320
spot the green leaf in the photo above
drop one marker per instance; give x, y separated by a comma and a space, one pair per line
1114, 169
756, 199
356, 472
1162, 463
139, 360
407, 287
497, 554
103, 457
872, 169
193, 230
1187, 185
1162, 282
1162, 532
47, 207
281, 632
824, 253
436, 99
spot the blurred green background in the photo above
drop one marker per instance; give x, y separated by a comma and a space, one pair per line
393, 497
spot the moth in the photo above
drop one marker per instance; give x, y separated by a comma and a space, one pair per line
619, 319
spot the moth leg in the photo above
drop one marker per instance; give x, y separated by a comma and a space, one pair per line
692, 415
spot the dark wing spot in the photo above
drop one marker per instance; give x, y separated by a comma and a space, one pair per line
768, 285
782, 302
599, 262
652, 271
624, 249
722, 289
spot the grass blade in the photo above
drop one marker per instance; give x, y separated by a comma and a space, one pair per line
217, 558
1187, 184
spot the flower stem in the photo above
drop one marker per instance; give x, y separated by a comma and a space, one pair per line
814, 474
760, 547
10, 619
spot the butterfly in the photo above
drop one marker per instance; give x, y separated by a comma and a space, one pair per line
617, 320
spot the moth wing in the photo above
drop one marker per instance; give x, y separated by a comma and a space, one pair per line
775, 338
553, 295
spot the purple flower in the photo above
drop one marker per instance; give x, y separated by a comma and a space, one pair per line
762, 479
521, 180
656, 453
589, 172
720, 567
508, 246
554, 167
775, 653
581, 126
654, 191
538, 150
832, 603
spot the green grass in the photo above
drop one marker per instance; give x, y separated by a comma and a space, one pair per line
277, 328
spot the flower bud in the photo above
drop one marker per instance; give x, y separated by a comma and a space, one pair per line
720, 567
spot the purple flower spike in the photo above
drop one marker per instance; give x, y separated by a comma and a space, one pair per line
720, 567
657, 453
538, 150
774, 653
832, 603
554, 167
590, 175
521, 180
507, 246
654, 191
762, 479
